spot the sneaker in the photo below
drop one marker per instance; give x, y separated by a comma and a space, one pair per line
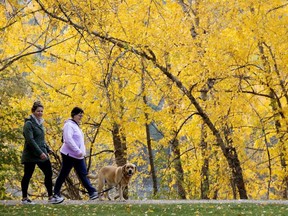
93, 196
27, 201
56, 199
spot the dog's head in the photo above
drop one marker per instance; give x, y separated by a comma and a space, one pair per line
129, 169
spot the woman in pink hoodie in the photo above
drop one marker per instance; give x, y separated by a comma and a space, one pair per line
73, 151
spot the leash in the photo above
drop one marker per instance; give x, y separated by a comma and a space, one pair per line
103, 191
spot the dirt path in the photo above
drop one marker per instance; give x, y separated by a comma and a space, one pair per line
82, 202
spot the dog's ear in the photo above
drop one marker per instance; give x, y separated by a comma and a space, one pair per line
123, 170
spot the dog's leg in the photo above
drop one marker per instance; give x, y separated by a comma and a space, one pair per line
117, 190
121, 198
101, 183
108, 196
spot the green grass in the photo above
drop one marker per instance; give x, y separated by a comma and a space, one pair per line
146, 209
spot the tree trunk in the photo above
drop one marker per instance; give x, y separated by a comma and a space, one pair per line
178, 168
148, 136
151, 158
119, 141
282, 147
237, 176
285, 178
205, 166
234, 163
234, 189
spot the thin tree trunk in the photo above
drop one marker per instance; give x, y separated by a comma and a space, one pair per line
285, 179
148, 136
282, 150
268, 155
216, 177
151, 158
205, 166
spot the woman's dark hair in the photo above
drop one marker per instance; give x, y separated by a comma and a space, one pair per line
36, 105
76, 111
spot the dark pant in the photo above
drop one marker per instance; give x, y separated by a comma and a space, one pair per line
28, 172
80, 167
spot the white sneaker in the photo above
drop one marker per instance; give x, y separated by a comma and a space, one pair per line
27, 201
56, 199
94, 196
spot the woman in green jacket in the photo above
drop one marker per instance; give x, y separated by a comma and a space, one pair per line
35, 152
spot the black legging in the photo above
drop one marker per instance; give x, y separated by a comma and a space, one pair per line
28, 172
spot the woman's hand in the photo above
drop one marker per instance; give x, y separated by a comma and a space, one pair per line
43, 156
80, 154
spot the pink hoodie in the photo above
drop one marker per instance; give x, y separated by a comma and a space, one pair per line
73, 140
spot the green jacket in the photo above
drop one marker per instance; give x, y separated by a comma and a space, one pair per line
35, 144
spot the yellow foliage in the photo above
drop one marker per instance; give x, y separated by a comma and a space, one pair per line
105, 56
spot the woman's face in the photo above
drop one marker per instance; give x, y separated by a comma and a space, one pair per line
38, 113
78, 117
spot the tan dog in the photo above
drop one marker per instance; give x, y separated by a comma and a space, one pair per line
113, 176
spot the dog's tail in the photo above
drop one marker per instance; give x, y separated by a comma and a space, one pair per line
91, 176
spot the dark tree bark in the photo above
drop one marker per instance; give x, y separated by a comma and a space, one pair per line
232, 156
119, 141
179, 169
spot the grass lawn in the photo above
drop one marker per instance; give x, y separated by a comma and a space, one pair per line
146, 209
